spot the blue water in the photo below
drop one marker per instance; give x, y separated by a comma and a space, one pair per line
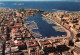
45, 29
46, 6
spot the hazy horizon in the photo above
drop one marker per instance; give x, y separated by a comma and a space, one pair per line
42, 0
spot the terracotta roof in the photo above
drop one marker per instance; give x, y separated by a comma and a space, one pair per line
45, 42
11, 26
33, 45
48, 46
15, 31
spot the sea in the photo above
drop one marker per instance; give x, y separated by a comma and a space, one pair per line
44, 28
44, 5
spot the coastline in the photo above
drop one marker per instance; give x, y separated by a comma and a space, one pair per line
18, 39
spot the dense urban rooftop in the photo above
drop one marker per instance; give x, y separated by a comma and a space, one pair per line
16, 38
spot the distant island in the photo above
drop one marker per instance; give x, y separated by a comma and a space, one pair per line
18, 3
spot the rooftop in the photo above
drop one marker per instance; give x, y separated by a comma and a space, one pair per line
77, 44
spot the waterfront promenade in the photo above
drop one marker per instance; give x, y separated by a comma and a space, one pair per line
67, 31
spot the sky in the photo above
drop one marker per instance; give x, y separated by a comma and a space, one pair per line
40, 0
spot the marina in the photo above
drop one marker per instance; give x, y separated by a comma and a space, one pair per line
44, 26
31, 25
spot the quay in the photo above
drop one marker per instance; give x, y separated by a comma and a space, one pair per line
68, 32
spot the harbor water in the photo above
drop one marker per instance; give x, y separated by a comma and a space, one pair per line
44, 27
39, 25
